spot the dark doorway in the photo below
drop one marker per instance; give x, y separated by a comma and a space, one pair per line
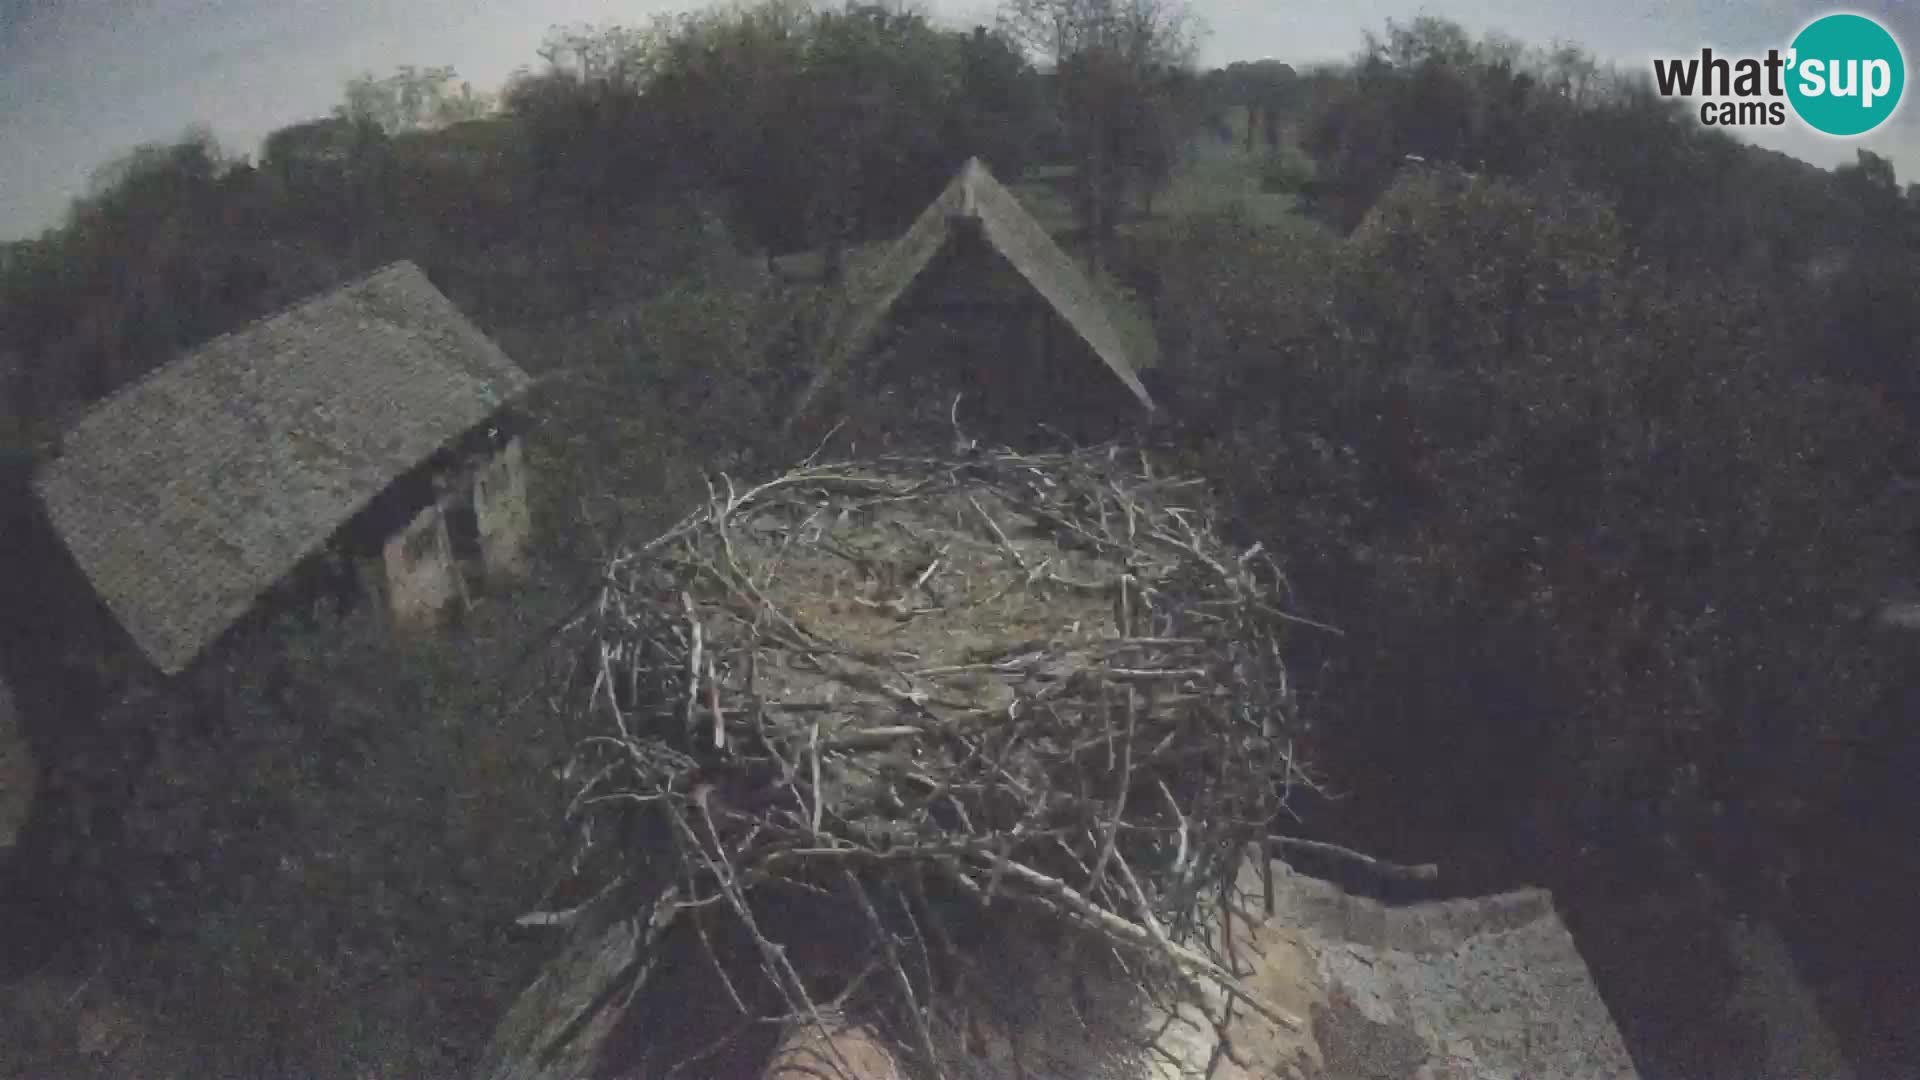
463, 530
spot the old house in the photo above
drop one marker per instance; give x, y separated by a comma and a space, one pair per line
976, 299
363, 437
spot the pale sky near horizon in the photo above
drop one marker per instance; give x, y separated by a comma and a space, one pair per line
82, 81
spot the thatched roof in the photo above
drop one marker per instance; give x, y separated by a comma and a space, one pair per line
1007, 227
192, 491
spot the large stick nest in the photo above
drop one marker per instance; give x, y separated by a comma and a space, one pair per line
868, 702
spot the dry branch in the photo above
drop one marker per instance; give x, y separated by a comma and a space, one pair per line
862, 686
1380, 868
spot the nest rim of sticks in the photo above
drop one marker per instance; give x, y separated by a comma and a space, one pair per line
921, 690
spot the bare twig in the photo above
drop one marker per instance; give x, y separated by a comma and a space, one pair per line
1378, 867
911, 1001
693, 658
1133, 934
981, 744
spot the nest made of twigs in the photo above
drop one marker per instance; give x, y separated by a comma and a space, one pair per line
868, 701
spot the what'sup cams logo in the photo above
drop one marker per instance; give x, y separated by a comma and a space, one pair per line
1842, 75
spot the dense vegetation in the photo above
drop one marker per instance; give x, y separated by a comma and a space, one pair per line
1589, 426
1594, 433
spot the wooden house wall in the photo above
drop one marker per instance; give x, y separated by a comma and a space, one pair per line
422, 579
501, 517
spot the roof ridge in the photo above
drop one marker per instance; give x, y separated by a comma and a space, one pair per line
1033, 254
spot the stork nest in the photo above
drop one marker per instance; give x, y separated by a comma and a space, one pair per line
874, 700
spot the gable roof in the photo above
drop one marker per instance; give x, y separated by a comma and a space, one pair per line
190, 492
974, 194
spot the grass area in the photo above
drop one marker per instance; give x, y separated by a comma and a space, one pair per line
328, 880
1215, 176
1048, 201
1213, 182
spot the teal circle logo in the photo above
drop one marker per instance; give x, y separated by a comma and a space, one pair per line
1846, 74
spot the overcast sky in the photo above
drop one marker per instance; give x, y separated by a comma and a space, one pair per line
83, 80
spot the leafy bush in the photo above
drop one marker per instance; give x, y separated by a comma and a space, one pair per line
1288, 171
1589, 526
323, 838
1231, 297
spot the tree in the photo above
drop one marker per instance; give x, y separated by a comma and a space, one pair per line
1265, 89
733, 97
1571, 72
156, 172
816, 127
1125, 125
1605, 506
998, 101
1428, 39
592, 141
157, 254
1426, 89
612, 56
1352, 135
463, 105
1869, 328
1113, 65
831, 126
877, 87
412, 99
323, 158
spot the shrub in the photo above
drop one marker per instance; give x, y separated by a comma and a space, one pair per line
1587, 526
1232, 296
1286, 171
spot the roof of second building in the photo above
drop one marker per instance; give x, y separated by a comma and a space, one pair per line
975, 195
189, 493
